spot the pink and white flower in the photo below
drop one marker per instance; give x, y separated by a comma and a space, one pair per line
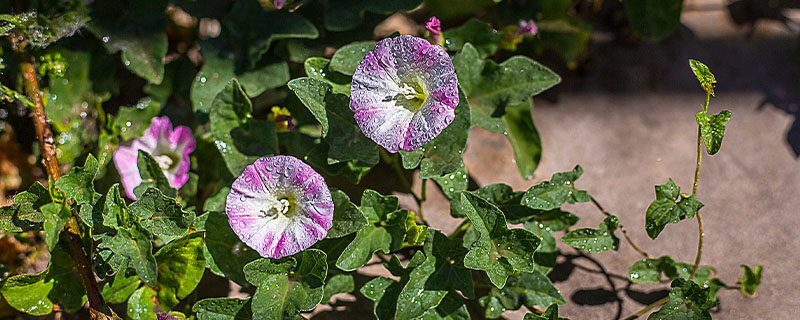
279, 206
170, 148
404, 93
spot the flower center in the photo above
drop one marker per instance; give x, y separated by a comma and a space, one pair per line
411, 96
281, 207
165, 161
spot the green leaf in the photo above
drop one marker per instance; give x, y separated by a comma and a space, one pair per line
454, 182
120, 287
505, 198
344, 137
347, 58
547, 252
384, 291
133, 121
250, 30
238, 137
180, 268
347, 14
550, 314
490, 87
223, 309
225, 254
35, 294
712, 128
442, 271
129, 247
78, 183
218, 70
319, 68
475, 32
655, 19
549, 195
452, 307
347, 218
143, 304
444, 154
387, 236
340, 283
56, 216
703, 75
162, 216
152, 176
595, 240
687, 300
669, 207
555, 220
750, 280
649, 270
23, 214
528, 289
524, 138
287, 286
498, 251
136, 29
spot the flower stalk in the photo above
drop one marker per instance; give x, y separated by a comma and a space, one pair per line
700, 231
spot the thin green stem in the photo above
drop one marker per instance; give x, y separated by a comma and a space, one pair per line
621, 228
398, 170
648, 308
699, 161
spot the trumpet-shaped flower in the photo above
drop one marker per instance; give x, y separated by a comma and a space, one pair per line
404, 93
170, 148
279, 206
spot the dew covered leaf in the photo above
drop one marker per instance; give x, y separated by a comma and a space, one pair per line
687, 300
225, 254
549, 195
386, 230
78, 183
135, 29
132, 122
347, 217
547, 252
669, 207
249, 31
442, 271
129, 246
649, 270
704, 75
479, 34
712, 128
444, 154
152, 176
217, 71
319, 68
23, 213
223, 309
281, 295
490, 87
550, 314
162, 216
339, 283
528, 289
595, 240
35, 294
180, 268
121, 286
384, 291
498, 251
56, 216
238, 136
451, 183
452, 307
347, 58
524, 138
506, 199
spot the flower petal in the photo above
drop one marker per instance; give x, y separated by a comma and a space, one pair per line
125, 161
261, 187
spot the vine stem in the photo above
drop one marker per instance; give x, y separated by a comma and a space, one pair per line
699, 160
97, 305
648, 308
621, 228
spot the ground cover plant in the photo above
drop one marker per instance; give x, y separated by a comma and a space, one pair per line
158, 144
